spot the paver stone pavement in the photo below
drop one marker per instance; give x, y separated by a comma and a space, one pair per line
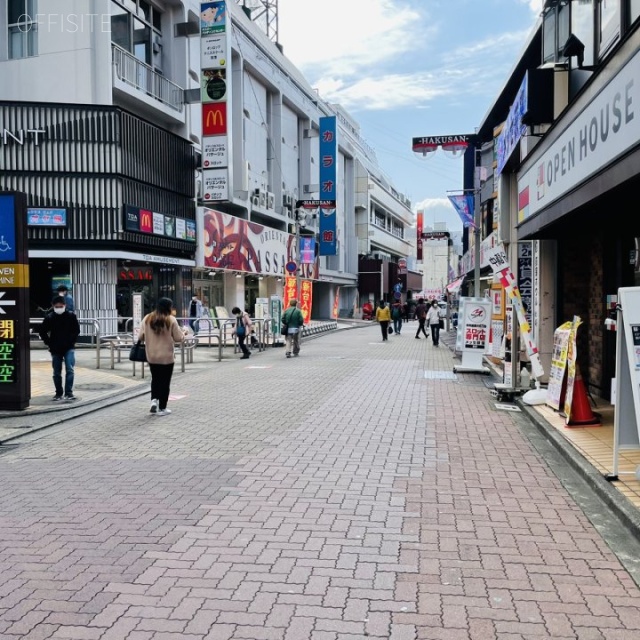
361, 490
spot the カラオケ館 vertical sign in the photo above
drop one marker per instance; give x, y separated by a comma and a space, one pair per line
328, 147
214, 93
15, 365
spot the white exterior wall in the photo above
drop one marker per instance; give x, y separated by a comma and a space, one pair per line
74, 55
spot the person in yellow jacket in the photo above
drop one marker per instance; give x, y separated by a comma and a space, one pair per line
383, 316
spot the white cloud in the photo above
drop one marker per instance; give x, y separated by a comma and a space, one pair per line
342, 36
363, 54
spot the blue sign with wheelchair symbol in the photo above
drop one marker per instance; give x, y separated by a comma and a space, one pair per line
7, 229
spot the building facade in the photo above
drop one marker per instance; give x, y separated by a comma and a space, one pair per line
137, 125
567, 143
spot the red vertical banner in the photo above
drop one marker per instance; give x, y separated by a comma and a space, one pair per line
419, 227
306, 299
336, 304
290, 291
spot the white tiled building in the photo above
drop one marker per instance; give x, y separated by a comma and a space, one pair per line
132, 72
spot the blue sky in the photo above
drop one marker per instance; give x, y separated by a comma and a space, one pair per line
409, 68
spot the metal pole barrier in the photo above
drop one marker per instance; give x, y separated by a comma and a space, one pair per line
96, 326
182, 357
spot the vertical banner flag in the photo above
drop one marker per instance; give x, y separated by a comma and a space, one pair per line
419, 229
336, 304
463, 204
328, 187
306, 299
290, 291
500, 266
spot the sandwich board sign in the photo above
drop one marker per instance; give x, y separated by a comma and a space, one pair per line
626, 423
474, 334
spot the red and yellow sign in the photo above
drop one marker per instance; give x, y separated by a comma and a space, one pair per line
290, 291
214, 118
306, 296
336, 303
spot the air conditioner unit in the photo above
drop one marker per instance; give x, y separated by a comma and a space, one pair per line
263, 199
271, 200
287, 200
255, 201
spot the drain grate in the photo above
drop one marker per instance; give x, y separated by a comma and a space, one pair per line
507, 407
96, 386
440, 375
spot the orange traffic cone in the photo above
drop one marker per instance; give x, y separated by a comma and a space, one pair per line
581, 413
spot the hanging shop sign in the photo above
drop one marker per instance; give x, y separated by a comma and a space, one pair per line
213, 17
328, 147
215, 185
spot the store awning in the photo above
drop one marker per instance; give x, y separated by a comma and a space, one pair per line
454, 286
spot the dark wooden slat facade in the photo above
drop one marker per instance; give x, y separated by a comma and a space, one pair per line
93, 161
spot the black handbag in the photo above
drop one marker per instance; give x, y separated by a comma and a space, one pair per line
285, 329
138, 352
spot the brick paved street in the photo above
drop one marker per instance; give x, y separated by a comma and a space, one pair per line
359, 491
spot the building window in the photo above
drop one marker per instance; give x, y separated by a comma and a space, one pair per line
136, 27
555, 30
634, 10
608, 15
22, 28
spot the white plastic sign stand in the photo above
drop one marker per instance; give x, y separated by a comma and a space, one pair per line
476, 320
626, 423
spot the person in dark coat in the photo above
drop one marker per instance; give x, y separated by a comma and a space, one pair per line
59, 331
421, 315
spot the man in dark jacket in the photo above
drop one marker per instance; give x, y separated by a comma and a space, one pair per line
59, 331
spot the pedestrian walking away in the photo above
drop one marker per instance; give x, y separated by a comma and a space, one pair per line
68, 300
383, 316
294, 321
396, 316
242, 330
433, 320
421, 316
160, 332
59, 331
196, 310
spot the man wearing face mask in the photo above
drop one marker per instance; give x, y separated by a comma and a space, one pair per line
59, 331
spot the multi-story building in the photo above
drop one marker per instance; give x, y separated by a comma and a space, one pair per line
119, 117
567, 144
96, 131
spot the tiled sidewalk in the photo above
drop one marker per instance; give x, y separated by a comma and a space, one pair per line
356, 492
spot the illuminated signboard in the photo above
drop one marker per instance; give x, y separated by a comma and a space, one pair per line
46, 217
15, 377
158, 224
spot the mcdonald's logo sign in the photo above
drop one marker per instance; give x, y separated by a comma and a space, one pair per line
146, 221
214, 119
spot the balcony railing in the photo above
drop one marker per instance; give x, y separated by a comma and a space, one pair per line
141, 76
